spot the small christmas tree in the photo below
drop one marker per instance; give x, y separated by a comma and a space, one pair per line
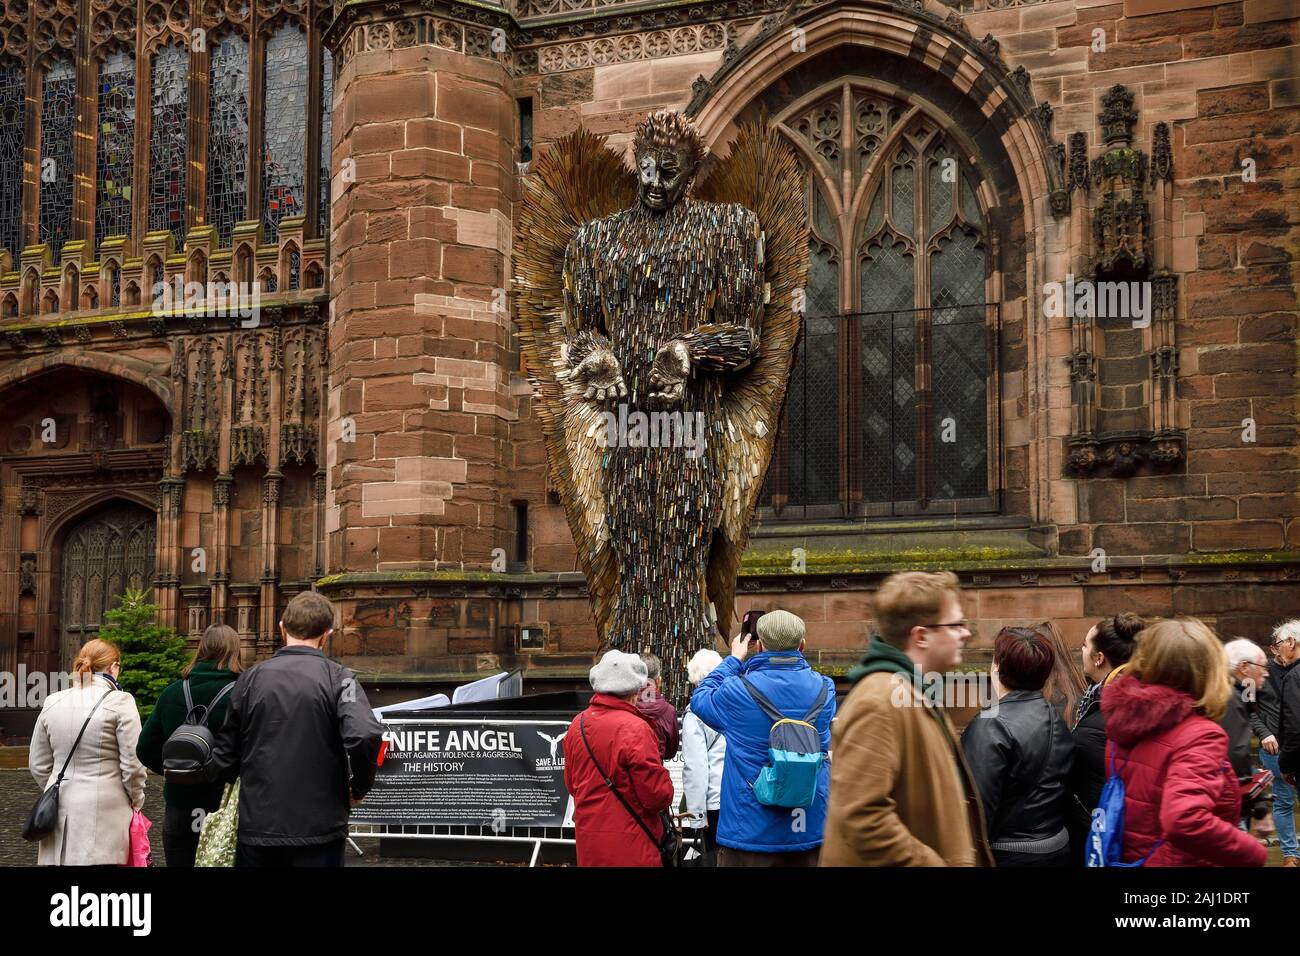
152, 655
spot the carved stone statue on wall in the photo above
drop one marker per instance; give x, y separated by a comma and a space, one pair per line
658, 330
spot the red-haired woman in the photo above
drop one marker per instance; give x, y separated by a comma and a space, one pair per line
1021, 752
89, 730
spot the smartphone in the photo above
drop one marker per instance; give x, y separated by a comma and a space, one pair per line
749, 624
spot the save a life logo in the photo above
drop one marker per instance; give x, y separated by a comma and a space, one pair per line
556, 760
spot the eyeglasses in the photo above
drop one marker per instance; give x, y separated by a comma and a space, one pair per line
1280, 641
963, 625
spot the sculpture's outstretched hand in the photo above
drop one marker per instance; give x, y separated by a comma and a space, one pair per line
600, 372
668, 374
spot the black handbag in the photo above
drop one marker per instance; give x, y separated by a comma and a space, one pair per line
45, 813
670, 844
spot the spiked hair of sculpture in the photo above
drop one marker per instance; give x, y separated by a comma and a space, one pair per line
667, 129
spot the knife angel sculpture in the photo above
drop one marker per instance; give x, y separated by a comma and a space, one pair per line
658, 325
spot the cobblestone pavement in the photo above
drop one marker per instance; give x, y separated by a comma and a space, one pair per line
18, 791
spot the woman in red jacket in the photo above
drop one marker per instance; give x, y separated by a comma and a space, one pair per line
623, 745
1181, 799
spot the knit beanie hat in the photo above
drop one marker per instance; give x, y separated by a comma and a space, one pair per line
618, 674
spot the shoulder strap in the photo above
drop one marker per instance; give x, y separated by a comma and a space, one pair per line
817, 706
76, 742
775, 714
212, 704
762, 701
582, 729
189, 700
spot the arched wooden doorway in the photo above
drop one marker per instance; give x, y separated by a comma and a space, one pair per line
106, 552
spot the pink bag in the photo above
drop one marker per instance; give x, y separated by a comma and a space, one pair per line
141, 853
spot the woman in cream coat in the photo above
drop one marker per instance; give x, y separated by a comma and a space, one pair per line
105, 781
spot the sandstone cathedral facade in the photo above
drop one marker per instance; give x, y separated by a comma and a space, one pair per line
366, 427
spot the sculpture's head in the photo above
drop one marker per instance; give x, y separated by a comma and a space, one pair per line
669, 151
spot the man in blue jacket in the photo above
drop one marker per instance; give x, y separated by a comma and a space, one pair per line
751, 833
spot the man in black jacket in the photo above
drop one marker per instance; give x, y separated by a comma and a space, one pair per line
301, 738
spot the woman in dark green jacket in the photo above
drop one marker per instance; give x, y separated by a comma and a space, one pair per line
216, 663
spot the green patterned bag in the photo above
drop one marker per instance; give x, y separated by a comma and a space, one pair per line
220, 831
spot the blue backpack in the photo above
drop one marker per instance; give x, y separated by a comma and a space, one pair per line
795, 755
1106, 831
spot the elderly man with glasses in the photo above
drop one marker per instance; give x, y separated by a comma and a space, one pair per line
1279, 711
1248, 665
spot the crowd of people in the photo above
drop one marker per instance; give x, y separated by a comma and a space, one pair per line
296, 731
1164, 707
777, 771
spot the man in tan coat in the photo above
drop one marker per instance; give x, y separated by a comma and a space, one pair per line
901, 793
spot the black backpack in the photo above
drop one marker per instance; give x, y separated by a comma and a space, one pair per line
186, 751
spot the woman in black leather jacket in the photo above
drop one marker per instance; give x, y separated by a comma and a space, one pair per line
1021, 752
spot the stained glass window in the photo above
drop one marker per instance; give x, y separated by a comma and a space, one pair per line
115, 147
58, 116
170, 110
228, 133
295, 269
12, 97
326, 142
284, 164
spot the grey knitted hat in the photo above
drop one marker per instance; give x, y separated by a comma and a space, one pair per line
618, 674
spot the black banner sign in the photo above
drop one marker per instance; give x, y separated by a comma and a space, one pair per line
498, 774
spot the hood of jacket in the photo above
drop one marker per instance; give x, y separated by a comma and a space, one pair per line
1135, 711
885, 657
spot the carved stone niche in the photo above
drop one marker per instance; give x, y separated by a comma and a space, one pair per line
27, 574
1124, 365
1121, 223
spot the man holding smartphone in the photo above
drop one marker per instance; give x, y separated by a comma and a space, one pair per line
768, 657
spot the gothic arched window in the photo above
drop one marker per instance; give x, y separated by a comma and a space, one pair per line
888, 410
326, 145
12, 103
284, 166
58, 116
115, 147
169, 105
227, 134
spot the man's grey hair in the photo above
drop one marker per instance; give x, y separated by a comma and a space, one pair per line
1287, 629
653, 666
1240, 650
